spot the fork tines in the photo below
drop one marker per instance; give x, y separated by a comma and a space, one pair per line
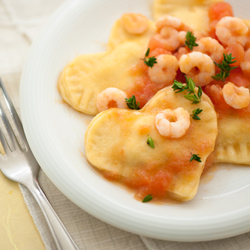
12, 129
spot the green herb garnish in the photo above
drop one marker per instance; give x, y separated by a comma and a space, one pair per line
224, 67
195, 157
190, 87
150, 142
179, 86
131, 103
147, 198
190, 40
149, 61
195, 113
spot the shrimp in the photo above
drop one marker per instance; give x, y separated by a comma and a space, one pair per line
236, 97
231, 30
182, 36
167, 32
172, 123
111, 98
245, 63
168, 21
134, 23
200, 67
181, 51
168, 36
165, 70
211, 47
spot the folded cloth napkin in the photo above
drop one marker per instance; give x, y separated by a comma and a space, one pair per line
91, 233
19, 22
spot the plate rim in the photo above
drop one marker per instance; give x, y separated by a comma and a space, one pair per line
64, 8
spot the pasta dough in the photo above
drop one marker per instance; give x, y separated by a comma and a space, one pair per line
194, 13
115, 141
233, 142
88, 75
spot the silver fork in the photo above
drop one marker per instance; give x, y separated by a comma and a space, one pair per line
18, 164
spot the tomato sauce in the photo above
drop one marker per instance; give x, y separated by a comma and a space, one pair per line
144, 89
238, 78
157, 181
154, 179
214, 91
219, 10
155, 44
146, 182
237, 52
216, 12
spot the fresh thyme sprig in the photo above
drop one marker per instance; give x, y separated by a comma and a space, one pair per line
149, 61
190, 87
224, 67
131, 103
195, 157
195, 113
179, 86
147, 198
150, 142
190, 40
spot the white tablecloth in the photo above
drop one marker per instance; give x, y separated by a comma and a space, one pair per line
20, 21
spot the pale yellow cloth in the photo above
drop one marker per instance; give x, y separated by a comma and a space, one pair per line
17, 228
19, 22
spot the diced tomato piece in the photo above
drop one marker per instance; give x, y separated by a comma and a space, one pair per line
237, 51
216, 96
138, 180
155, 43
238, 78
160, 183
216, 12
219, 10
215, 93
212, 29
215, 82
148, 182
144, 89
159, 51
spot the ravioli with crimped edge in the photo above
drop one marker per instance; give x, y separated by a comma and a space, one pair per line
87, 75
194, 13
222, 36
233, 141
116, 142
233, 144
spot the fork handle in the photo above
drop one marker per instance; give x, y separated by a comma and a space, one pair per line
60, 234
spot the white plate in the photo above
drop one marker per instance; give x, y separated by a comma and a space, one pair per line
56, 135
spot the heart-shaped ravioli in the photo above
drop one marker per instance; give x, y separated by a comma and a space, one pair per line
88, 75
127, 146
233, 142
194, 13
233, 108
